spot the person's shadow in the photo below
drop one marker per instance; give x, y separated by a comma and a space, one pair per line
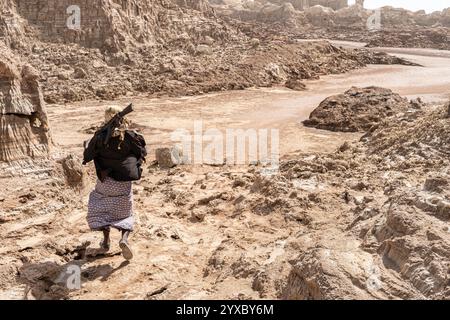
53, 281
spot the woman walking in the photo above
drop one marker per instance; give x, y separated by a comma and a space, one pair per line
117, 162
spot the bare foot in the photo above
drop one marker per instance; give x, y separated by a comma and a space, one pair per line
105, 245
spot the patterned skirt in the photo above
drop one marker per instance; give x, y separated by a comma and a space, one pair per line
111, 205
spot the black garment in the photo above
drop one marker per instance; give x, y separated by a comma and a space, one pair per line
121, 164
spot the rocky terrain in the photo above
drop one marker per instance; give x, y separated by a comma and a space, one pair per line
188, 50
368, 221
397, 27
358, 208
239, 66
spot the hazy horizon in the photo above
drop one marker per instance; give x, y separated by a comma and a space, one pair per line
414, 5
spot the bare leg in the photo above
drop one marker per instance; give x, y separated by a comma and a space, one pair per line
125, 234
105, 244
126, 249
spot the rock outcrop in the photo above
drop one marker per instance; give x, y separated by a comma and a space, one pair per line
24, 129
430, 130
168, 157
395, 27
12, 26
358, 109
117, 26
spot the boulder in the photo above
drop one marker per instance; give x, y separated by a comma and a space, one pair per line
168, 157
295, 84
74, 172
357, 110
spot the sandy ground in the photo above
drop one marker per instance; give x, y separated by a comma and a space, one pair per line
173, 254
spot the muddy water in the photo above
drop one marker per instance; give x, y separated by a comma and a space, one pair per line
431, 82
278, 108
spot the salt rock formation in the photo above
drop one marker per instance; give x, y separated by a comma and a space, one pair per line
333, 4
262, 11
431, 130
24, 130
200, 5
115, 25
411, 233
290, 12
331, 271
304, 4
12, 26
352, 17
285, 12
419, 37
403, 28
320, 16
358, 109
445, 17
398, 16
